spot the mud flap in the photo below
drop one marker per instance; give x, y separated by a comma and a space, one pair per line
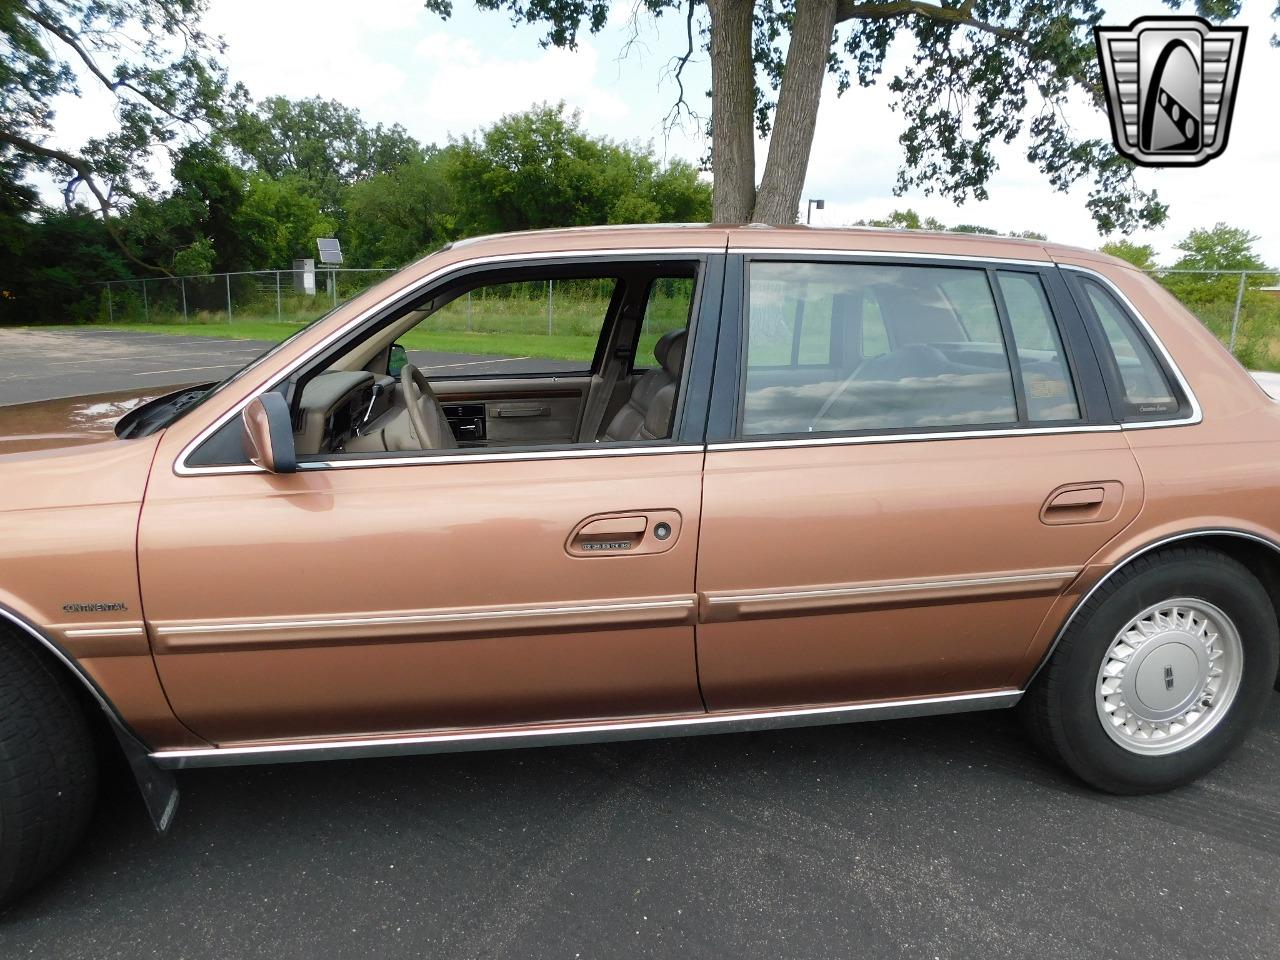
159, 788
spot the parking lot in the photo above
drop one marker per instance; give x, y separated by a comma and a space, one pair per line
948, 837
38, 364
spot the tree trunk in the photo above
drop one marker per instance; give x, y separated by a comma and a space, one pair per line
733, 100
778, 200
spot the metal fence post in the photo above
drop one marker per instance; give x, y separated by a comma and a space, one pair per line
279, 311
333, 285
146, 310
1235, 317
228, 276
549, 283
111, 311
183, 282
468, 311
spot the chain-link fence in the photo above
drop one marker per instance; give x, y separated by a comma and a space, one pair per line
261, 296
1241, 307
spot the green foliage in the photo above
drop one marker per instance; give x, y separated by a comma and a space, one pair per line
910, 220
540, 169
395, 217
1141, 255
1220, 247
323, 143
151, 56
50, 267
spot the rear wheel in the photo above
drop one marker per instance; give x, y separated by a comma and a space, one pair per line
48, 767
1160, 675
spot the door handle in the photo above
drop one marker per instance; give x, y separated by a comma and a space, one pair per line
1083, 503
625, 534
522, 410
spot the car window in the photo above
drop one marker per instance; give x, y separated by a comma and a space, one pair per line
1146, 389
669, 307
532, 327
857, 347
1046, 376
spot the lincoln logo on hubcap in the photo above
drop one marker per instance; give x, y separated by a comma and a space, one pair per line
1168, 678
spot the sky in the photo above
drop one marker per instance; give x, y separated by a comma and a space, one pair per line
397, 63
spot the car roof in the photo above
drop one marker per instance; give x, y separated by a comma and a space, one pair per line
799, 237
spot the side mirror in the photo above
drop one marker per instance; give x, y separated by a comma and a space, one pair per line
396, 359
268, 434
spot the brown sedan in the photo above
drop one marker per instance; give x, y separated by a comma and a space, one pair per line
755, 478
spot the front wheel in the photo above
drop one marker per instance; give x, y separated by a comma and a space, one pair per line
1160, 675
48, 767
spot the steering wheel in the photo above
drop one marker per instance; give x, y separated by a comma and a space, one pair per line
426, 416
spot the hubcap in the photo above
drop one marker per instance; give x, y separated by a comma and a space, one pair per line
1169, 676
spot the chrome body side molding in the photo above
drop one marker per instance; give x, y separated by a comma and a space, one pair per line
456, 741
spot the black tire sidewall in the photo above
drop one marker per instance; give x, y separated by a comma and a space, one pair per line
1085, 744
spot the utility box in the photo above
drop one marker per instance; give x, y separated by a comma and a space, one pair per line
304, 277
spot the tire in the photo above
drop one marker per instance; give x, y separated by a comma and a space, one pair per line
48, 767
1079, 711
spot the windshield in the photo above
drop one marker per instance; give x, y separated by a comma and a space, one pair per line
163, 411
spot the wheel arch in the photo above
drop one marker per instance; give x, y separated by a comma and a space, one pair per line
159, 790
1258, 552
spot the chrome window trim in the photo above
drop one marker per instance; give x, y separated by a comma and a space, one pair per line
565, 733
1197, 414
180, 466
759, 252
837, 441
1129, 558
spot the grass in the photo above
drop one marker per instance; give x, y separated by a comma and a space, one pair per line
493, 325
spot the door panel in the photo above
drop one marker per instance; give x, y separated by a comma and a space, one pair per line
873, 571
432, 595
519, 411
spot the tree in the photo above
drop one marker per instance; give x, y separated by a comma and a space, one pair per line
976, 69
540, 169
1220, 248
324, 143
910, 220
150, 55
393, 218
1141, 255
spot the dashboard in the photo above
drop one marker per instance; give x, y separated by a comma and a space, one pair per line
335, 406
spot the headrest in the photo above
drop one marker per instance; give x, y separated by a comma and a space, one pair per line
669, 351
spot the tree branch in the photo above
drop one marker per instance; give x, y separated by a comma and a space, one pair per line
113, 86
84, 174
961, 16
673, 115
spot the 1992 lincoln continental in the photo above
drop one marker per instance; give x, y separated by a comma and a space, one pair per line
797, 476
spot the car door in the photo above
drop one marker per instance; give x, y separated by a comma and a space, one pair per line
467, 588
908, 462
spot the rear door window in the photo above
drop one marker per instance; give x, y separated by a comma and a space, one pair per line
854, 347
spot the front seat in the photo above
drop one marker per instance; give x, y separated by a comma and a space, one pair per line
647, 412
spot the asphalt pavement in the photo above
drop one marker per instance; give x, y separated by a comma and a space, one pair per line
42, 364
948, 837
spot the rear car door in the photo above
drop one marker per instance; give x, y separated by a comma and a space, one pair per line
393, 592
908, 462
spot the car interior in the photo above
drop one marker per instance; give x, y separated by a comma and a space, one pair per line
899, 348
627, 332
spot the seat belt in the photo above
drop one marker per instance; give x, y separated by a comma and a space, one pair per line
618, 360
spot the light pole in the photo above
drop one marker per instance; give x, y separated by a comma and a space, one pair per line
820, 204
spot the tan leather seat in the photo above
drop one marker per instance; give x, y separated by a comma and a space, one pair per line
647, 412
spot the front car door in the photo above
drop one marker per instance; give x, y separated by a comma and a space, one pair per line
382, 593
909, 459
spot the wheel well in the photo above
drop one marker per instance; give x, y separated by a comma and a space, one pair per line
1262, 560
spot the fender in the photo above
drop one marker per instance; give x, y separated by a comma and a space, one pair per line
158, 786
1128, 558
